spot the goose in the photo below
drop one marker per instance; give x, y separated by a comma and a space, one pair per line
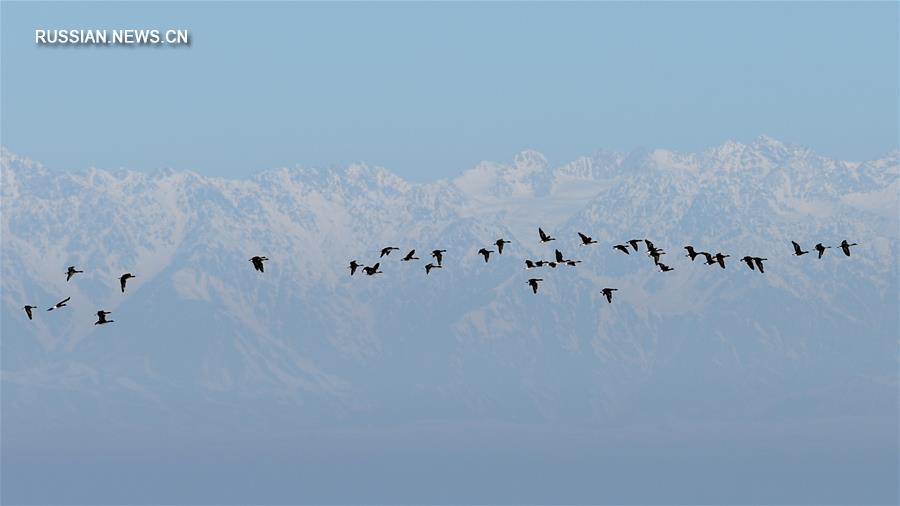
797, 251
665, 268
821, 249
59, 304
500, 242
486, 253
258, 263
533, 282
28, 310
655, 254
749, 261
438, 255
608, 293
720, 258
410, 256
634, 243
622, 248
709, 257
353, 266
373, 270
691, 253
387, 251
845, 247
545, 237
759, 264
101, 318
430, 266
586, 239
573, 263
559, 256
71, 272
529, 264
124, 278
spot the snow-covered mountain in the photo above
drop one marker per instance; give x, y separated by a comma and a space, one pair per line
200, 334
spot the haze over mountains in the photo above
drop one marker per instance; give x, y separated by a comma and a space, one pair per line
202, 343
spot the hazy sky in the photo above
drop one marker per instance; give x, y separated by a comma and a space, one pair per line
428, 90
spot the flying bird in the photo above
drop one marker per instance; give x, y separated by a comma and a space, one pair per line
759, 264
622, 248
71, 272
797, 251
691, 253
573, 263
533, 282
101, 317
28, 310
559, 256
552, 264
438, 255
500, 242
59, 304
529, 264
749, 261
486, 253
258, 263
124, 278
410, 256
608, 293
430, 266
821, 249
540, 263
655, 253
545, 237
720, 258
709, 257
649, 244
353, 266
634, 243
665, 268
373, 270
387, 251
586, 239
845, 247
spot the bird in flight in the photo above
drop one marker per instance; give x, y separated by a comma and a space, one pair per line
821, 249
533, 283
749, 261
410, 256
59, 304
124, 279
608, 293
28, 310
258, 263
634, 243
655, 253
622, 248
387, 251
500, 242
71, 272
486, 253
797, 251
430, 266
586, 239
720, 258
691, 253
665, 268
544, 236
573, 263
559, 256
438, 255
529, 264
759, 264
845, 247
709, 257
371, 271
353, 266
101, 317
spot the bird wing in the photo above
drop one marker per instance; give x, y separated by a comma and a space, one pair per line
64, 300
559, 256
584, 238
122, 281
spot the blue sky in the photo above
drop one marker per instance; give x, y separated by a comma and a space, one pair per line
428, 90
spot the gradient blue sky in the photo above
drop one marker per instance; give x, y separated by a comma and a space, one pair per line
428, 90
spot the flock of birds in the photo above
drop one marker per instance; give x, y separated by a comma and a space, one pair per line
755, 263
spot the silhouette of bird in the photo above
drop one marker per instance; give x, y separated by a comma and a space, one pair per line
258, 263
430, 266
387, 251
845, 247
500, 242
649, 244
749, 261
821, 249
28, 310
101, 317
559, 256
691, 253
533, 282
71, 272
608, 293
545, 237
797, 251
585, 239
709, 257
353, 266
59, 304
373, 270
634, 243
124, 278
552, 264
540, 263
655, 254
759, 264
438, 255
622, 248
665, 268
529, 264
720, 258
410, 256
486, 253
573, 263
